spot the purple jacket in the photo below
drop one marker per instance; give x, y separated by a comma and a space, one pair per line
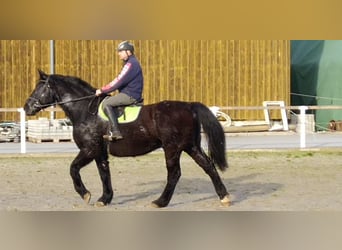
130, 80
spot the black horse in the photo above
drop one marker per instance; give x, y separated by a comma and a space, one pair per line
172, 125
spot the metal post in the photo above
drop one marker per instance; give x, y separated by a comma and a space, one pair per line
22, 131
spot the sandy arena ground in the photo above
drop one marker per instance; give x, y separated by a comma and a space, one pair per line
257, 181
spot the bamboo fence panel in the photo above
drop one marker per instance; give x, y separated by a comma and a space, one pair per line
216, 72
19, 60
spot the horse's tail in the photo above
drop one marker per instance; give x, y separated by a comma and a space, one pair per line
215, 135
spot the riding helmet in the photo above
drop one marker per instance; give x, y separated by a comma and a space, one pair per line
125, 45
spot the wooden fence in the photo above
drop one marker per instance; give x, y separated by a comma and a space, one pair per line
215, 72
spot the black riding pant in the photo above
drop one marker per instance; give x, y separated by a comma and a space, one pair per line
120, 99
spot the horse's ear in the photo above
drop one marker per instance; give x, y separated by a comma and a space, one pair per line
42, 75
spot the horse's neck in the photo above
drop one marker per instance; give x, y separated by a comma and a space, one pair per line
71, 104
74, 109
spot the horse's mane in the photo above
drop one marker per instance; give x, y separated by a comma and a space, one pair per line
74, 81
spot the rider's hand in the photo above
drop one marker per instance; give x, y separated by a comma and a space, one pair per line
98, 92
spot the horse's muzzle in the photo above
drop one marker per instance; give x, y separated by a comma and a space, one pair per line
31, 108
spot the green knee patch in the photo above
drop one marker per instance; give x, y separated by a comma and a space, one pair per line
130, 114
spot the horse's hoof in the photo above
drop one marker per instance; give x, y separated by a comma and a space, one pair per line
155, 205
99, 204
225, 201
87, 197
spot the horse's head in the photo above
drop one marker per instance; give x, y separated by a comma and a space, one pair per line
41, 97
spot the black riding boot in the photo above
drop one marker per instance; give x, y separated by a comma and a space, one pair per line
113, 133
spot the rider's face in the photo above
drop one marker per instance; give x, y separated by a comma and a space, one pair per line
124, 54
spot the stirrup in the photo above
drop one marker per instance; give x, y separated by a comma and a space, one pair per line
112, 136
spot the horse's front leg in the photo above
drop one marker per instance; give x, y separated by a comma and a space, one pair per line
77, 164
104, 171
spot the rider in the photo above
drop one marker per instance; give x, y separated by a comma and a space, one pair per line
129, 83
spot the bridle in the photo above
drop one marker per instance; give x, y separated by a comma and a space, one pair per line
37, 103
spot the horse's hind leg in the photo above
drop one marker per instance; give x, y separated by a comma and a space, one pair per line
78, 163
208, 166
173, 175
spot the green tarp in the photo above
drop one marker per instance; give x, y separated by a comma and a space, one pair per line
316, 77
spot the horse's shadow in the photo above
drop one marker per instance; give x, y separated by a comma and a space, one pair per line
243, 188
240, 188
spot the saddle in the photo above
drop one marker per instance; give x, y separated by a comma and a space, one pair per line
125, 114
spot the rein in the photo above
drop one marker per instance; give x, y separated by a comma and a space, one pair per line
76, 100
60, 103
42, 106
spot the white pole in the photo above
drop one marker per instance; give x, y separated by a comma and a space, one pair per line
22, 131
302, 126
52, 69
